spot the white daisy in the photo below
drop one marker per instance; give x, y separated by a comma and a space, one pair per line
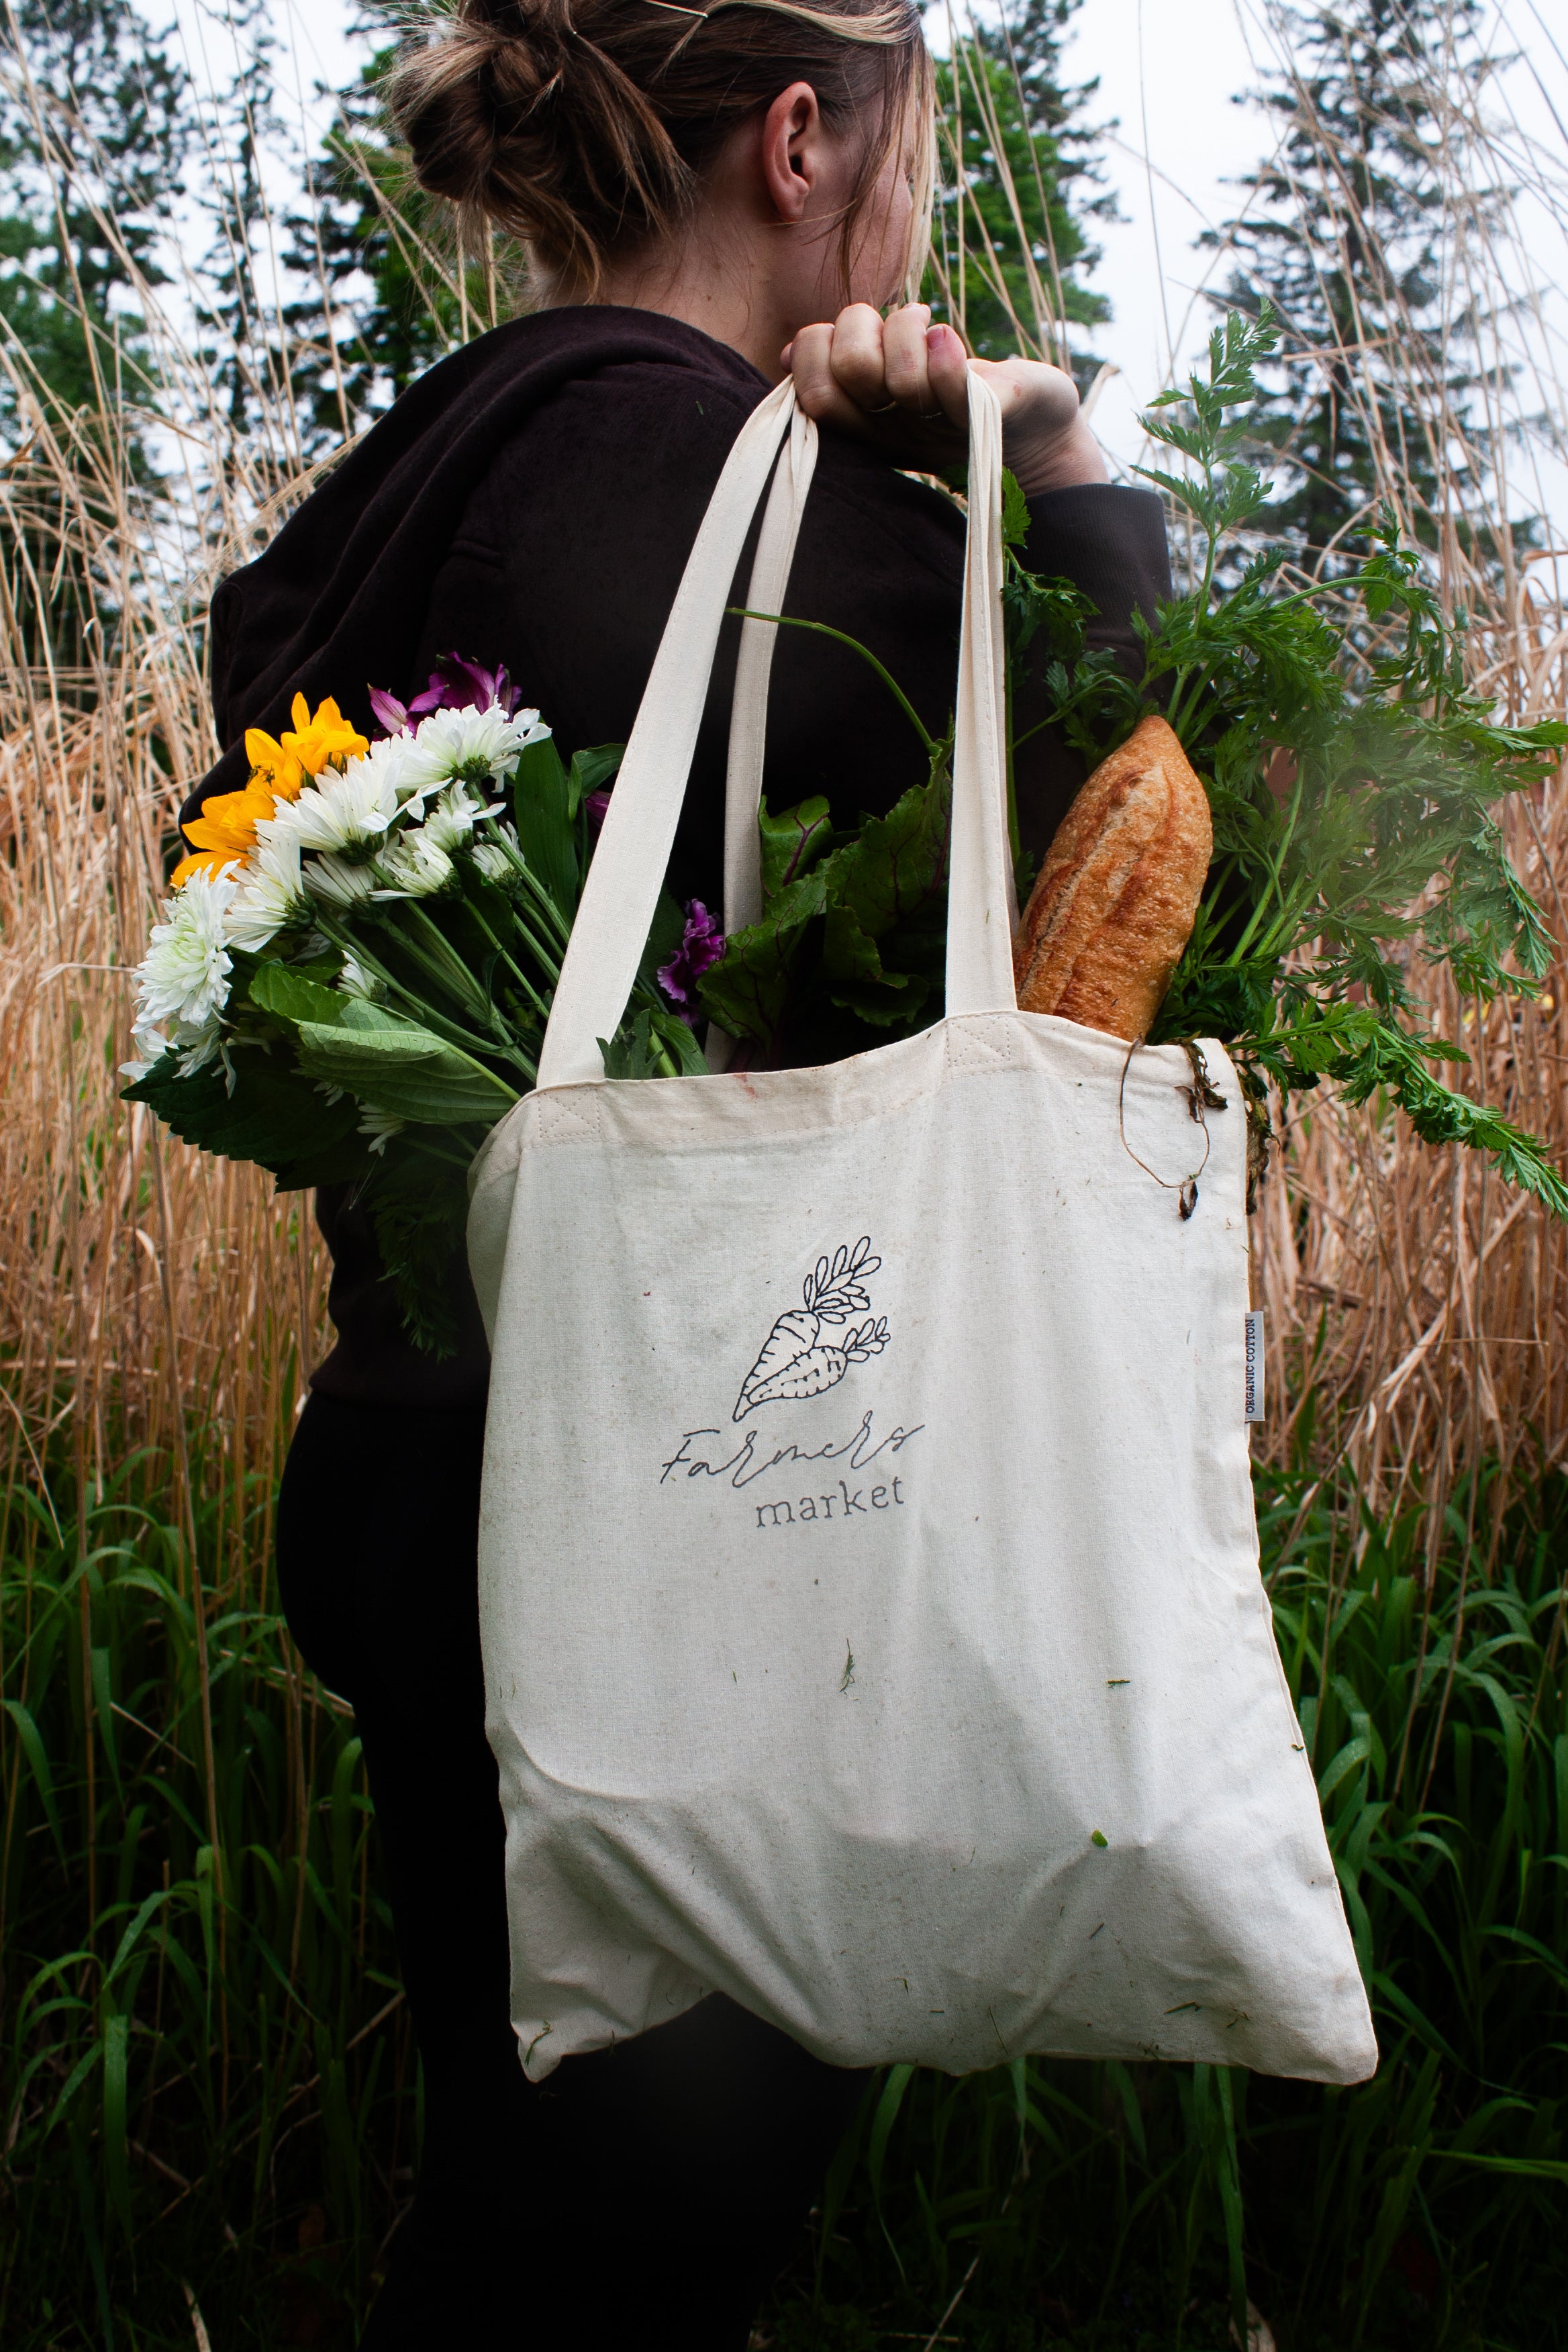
474, 744
492, 861
199, 1045
151, 1046
381, 1126
351, 811
415, 868
454, 816
337, 882
196, 1044
184, 974
272, 893
355, 980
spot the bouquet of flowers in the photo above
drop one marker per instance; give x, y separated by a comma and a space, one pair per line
352, 972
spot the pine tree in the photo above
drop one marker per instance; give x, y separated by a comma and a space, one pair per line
1028, 168
1342, 236
92, 136
93, 131
388, 294
239, 310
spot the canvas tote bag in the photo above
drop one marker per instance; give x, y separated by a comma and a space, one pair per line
869, 1577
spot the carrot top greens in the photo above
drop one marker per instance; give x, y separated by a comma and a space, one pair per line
1351, 772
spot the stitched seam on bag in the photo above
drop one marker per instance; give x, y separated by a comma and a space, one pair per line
983, 1042
570, 1116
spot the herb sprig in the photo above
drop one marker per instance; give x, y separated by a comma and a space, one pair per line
1352, 775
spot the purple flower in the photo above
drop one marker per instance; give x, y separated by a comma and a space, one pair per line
459, 684
455, 684
391, 716
595, 807
702, 946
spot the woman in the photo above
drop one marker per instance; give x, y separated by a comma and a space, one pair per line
699, 191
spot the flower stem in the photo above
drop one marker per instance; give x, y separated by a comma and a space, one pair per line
821, 629
439, 1024
515, 969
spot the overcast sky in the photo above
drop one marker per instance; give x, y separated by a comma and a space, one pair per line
1173, 76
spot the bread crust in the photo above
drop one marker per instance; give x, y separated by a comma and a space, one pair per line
1118, 892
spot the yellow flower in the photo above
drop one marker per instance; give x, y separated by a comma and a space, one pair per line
271, 767
327, 737
226, 829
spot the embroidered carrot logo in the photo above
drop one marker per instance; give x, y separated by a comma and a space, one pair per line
797, 1360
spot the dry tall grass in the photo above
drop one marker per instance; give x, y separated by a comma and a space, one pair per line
144, 1291
1417, 1309
1418, 1314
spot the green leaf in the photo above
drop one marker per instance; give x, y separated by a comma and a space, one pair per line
543, 812
681, 1044
655, 1044
631, 1052
38, 1758
405, 1071
791, 843
1032, 604
1016, 516
275, 1116
747, 992
896, 865
589, 771
293, 997
116, 2161
418, 1210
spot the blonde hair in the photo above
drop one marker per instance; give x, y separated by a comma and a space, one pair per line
586, 127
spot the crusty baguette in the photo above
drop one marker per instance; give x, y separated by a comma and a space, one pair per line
1115, 902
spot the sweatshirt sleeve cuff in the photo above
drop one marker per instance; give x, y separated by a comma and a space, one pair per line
1109, 540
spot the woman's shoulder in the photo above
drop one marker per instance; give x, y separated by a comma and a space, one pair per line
616, 392
523, 369
638, 428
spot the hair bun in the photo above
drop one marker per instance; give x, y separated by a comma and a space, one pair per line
584, 126
467, 94
515, 115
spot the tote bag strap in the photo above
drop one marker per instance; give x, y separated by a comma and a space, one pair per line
628, 867
753, 666
981, 902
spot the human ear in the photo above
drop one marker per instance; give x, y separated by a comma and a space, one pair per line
791, 155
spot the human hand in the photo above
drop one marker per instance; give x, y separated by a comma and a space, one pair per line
901, 384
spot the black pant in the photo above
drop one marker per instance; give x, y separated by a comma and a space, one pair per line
642, 2197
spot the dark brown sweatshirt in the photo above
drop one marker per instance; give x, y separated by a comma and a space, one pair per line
533, 500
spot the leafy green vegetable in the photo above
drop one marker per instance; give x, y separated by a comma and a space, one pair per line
849, 948
652, 1044
1352, 773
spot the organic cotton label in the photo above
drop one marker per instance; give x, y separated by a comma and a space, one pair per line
1255, 1365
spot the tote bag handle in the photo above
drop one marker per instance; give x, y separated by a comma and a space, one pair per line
638, 832
754, 668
